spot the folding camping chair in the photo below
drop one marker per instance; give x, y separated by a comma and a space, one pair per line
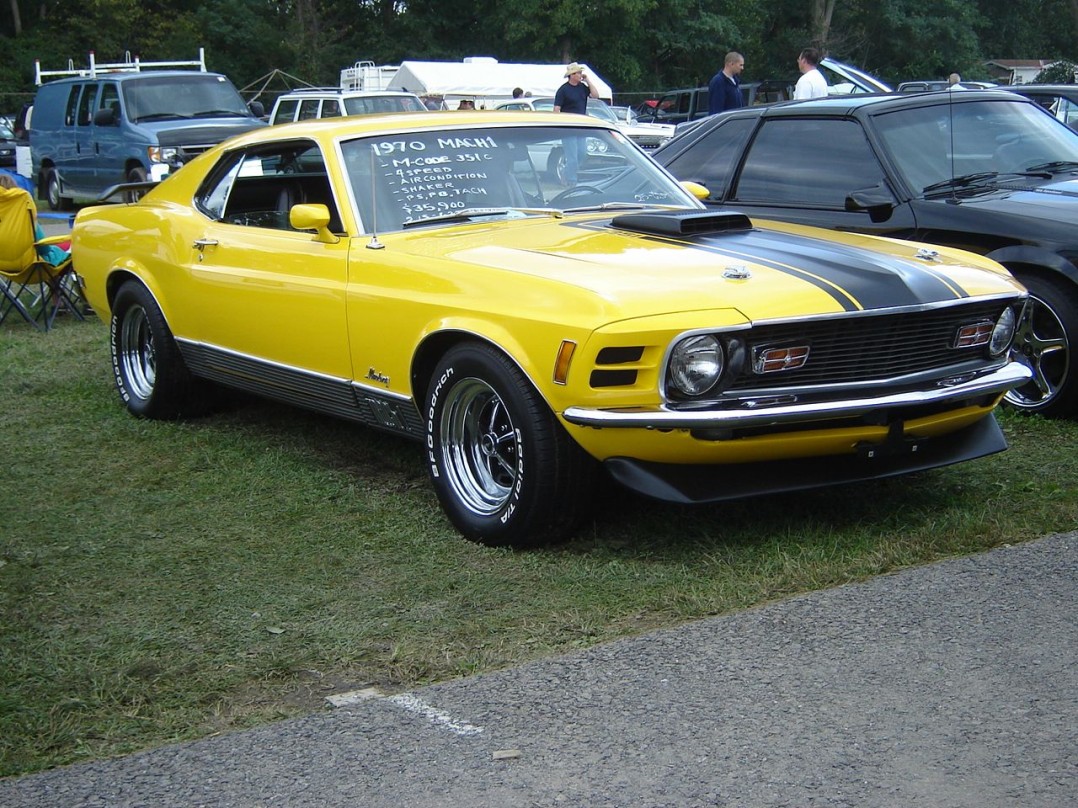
32, 286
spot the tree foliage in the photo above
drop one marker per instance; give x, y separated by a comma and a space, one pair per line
637, 45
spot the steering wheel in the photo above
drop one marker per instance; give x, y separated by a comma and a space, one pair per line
574, 192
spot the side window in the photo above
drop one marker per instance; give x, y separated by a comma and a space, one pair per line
807, 162
110, 99
308, 109
86, 105
72, 105
712, 160
286, 111
259, 187
331, 108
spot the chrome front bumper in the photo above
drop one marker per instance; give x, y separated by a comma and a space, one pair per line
993, 383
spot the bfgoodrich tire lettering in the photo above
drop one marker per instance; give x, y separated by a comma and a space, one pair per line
149, 371
1046, 340
503, 467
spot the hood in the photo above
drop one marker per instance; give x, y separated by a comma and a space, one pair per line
1020, 209
205, 132
663, 262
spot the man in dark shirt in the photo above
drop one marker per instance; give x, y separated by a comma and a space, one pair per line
724, 90
573, 97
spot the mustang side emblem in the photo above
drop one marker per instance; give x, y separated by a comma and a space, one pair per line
374, 376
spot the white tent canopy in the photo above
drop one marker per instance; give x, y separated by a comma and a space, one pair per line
485, 80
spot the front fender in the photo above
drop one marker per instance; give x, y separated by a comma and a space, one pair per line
1035, 256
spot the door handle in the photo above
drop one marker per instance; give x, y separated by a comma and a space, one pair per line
201, 244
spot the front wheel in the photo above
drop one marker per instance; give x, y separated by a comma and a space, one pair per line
1044, 341
503, 467
136, 174
149, 371
52, 192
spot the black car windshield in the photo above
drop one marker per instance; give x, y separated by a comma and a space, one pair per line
511, 171
930, 145
180, 97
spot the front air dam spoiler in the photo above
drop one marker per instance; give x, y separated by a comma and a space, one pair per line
695, 484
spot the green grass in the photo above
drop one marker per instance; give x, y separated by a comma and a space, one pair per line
164, 581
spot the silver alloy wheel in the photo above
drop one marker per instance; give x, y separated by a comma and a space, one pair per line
1042, 342
137, 356
479, 444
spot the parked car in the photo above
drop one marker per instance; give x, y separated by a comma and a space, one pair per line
332, 102
91, 132
1059, 99
647, 136
417, 274
682, 106
986, 171
7, 146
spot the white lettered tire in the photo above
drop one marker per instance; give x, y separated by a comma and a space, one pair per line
149, 371
505, 470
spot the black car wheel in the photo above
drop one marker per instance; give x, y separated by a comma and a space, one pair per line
148, 369
137, 174
1044, 341
504, 469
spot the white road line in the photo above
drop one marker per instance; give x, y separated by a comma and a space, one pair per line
437, 717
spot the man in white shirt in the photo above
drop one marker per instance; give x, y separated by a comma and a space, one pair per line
812, 84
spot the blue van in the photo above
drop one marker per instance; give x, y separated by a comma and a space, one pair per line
91, 132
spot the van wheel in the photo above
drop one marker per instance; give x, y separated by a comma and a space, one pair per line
136, 174
52, 192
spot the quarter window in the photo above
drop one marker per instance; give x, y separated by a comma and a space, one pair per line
712, 161
808, 162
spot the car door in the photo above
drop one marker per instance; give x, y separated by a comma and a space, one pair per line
818, 171
75, 153
258, 288
108, 138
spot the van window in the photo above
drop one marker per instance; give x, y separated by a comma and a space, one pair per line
72, 105
308, 109
86, 104
110, 98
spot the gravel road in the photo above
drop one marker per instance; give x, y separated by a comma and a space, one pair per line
954, 684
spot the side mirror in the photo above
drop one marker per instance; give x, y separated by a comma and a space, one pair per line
105, 116
312, 217
877, 201
258, 109
696, 189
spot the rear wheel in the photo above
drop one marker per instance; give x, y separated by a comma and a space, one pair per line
505, 470
52, 192
149, 371
1046, 339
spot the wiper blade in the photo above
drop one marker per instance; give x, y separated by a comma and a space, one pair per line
221, 113
615, 206
161, 116
1054, 166
468, 214
983, 177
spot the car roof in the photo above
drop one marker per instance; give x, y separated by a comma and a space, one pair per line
359, 125
335, 91
132, 75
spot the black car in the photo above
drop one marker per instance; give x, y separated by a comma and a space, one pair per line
983, 170
7, 146
1059, 99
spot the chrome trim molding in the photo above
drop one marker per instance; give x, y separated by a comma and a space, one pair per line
996, 382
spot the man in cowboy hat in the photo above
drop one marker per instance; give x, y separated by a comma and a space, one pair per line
574, 94
573, 97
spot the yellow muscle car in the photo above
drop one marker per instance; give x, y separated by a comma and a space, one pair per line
424, 275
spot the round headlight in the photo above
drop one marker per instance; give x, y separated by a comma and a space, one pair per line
696, 365
1003, 333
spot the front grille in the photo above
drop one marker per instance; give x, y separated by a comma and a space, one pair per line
868, 348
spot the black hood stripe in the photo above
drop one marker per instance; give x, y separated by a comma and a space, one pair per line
855, 278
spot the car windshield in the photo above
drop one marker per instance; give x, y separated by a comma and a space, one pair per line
6, 133
180, 97
503, 172
934, 144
